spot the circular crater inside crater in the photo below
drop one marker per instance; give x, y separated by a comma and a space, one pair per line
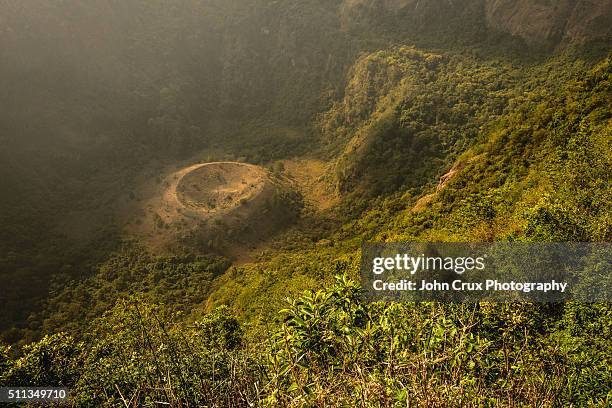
214, 187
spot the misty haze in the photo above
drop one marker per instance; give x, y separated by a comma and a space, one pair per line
186, 185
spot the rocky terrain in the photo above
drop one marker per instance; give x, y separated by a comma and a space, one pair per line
539, 23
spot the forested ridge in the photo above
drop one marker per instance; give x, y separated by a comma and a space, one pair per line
464, 128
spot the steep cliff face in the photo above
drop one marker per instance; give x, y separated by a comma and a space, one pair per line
540, 23
410, 15
549, 23
590, 19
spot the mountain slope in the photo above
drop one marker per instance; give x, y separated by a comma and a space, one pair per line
540, 24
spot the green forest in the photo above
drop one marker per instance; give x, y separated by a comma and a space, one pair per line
372, 121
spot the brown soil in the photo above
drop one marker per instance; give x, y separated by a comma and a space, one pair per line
217, 187
224, 207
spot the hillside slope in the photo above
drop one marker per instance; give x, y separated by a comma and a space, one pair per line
537, 172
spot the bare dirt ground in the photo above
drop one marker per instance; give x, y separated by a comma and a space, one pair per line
215, 187
238, 203
190, 196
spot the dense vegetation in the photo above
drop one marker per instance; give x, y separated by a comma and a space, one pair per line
333, 350
440, 132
